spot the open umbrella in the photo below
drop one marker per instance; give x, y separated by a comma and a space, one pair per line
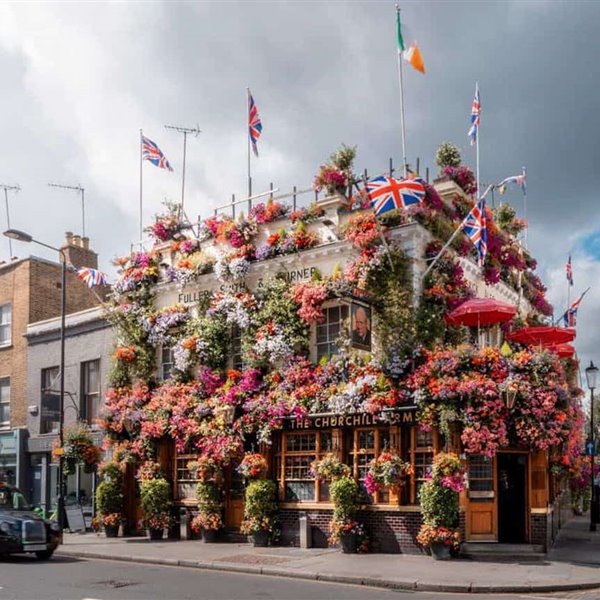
542, 336
562, 350
479, 312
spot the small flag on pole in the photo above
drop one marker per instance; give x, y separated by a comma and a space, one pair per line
475, 227
399, 38
569, 270
91, 277
475, 117
570, 316
387, 193
151, 152
254, 123
520, 180
413, 57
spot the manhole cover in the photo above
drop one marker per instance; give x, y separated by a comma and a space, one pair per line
253, 559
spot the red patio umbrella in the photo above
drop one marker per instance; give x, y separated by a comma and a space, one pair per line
479, 312
562, 350
542, 336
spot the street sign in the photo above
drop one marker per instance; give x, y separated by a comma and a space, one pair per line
590, 448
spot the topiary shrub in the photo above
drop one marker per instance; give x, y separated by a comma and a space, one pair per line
447, 155
260, 508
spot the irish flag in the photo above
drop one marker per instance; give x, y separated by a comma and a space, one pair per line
413, 57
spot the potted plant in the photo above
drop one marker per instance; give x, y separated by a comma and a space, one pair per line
208, 520
154, 500
344, 528
109, 498
439, 506
336, 175
387, 470
78, 448
259, 511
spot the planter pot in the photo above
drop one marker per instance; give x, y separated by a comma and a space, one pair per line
349, 543
111, 531
260, 539
209, 536
440, 551
156, 534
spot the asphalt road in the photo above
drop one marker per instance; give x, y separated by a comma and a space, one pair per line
65, 578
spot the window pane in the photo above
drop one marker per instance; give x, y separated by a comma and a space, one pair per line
5, 314
4, 334
4, 413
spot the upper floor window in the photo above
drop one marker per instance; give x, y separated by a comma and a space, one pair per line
5, 324
166, 362
50, 405
5, 401
330, 329
90, 390
237, 361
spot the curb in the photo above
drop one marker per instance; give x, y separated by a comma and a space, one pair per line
390, 584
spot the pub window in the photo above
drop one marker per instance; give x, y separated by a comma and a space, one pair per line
186, 480
166, 362
330, 329
362, 446
236, 348
5, 401
50, 408
423, 445
5, 324
90, 390
481, 476
295, 453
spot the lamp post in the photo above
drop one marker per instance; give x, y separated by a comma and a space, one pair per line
591, 374
21, 236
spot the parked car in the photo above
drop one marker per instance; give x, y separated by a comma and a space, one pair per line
21, 529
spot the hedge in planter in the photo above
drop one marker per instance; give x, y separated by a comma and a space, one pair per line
259, 512
208, 520
154, 497
109, 498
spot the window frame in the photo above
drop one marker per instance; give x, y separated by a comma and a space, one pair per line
162, 363
5, 424
8, 325
43, 389
87, 396
342, 322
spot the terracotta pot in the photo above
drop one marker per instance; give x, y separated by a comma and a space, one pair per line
260, 538
209, 536
440, 551
156, 534
111, 531
349, 543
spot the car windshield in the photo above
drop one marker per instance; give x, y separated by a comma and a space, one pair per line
12, 499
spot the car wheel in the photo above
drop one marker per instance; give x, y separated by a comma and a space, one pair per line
45, 554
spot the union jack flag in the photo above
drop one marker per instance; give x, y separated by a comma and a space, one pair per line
254, 123
91, 277
151, 152
475, 226
475, 117
569, 269
570, 316
387, 193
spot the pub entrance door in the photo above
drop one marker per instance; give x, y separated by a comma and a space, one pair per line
512, 497
234, 497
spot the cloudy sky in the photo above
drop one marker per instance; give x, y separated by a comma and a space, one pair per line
80, 80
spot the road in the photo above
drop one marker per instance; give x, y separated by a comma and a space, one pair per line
62, 578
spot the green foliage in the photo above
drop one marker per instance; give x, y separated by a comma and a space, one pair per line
109, 497
344, 493
343, 157
447, 155
505, 218
260, 506
208, 496
439, 505
154, 496
214, 331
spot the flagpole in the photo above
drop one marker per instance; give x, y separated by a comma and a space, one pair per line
248, 136
569, 282
141, 220
525, 206
400, 83
477, 139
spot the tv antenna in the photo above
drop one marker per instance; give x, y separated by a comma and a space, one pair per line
7, 188
76, 188
185, 130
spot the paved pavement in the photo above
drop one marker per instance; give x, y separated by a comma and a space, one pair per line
571, 565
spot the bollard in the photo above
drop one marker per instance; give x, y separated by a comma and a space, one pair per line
184, 524
305, 532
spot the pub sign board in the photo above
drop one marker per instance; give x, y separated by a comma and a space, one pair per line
406, 417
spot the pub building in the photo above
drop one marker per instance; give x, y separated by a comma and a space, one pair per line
511, 494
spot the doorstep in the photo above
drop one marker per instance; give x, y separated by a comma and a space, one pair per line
498, 551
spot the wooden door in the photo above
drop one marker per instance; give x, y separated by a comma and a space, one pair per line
234, 497
482, 510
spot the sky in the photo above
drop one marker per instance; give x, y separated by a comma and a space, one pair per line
79, 81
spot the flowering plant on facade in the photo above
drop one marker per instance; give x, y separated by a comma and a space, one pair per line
329, 468
78, 447
306, 214
205, 468
148, 470
387, 470
462, 176
336, 175
160, 325
122, 412
265, 213
230, 267
138, 270
168, 224
272, 345
363, 231
236, 308
310, 296
253, 466
429, 535
125, 353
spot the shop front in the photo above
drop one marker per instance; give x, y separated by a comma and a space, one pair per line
12, 456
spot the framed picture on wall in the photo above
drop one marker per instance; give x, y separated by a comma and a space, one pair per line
360, 326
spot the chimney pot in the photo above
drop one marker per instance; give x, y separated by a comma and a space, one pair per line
77, 241
69, 237
85, 242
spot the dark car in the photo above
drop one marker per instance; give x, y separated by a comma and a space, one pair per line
21, 529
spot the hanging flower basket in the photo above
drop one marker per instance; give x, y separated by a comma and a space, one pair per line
78, 448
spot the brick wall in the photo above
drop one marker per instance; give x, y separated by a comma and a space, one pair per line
388, 531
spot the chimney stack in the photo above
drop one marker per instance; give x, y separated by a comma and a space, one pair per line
78, 252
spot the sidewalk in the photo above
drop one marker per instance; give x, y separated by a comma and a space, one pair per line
572, 564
